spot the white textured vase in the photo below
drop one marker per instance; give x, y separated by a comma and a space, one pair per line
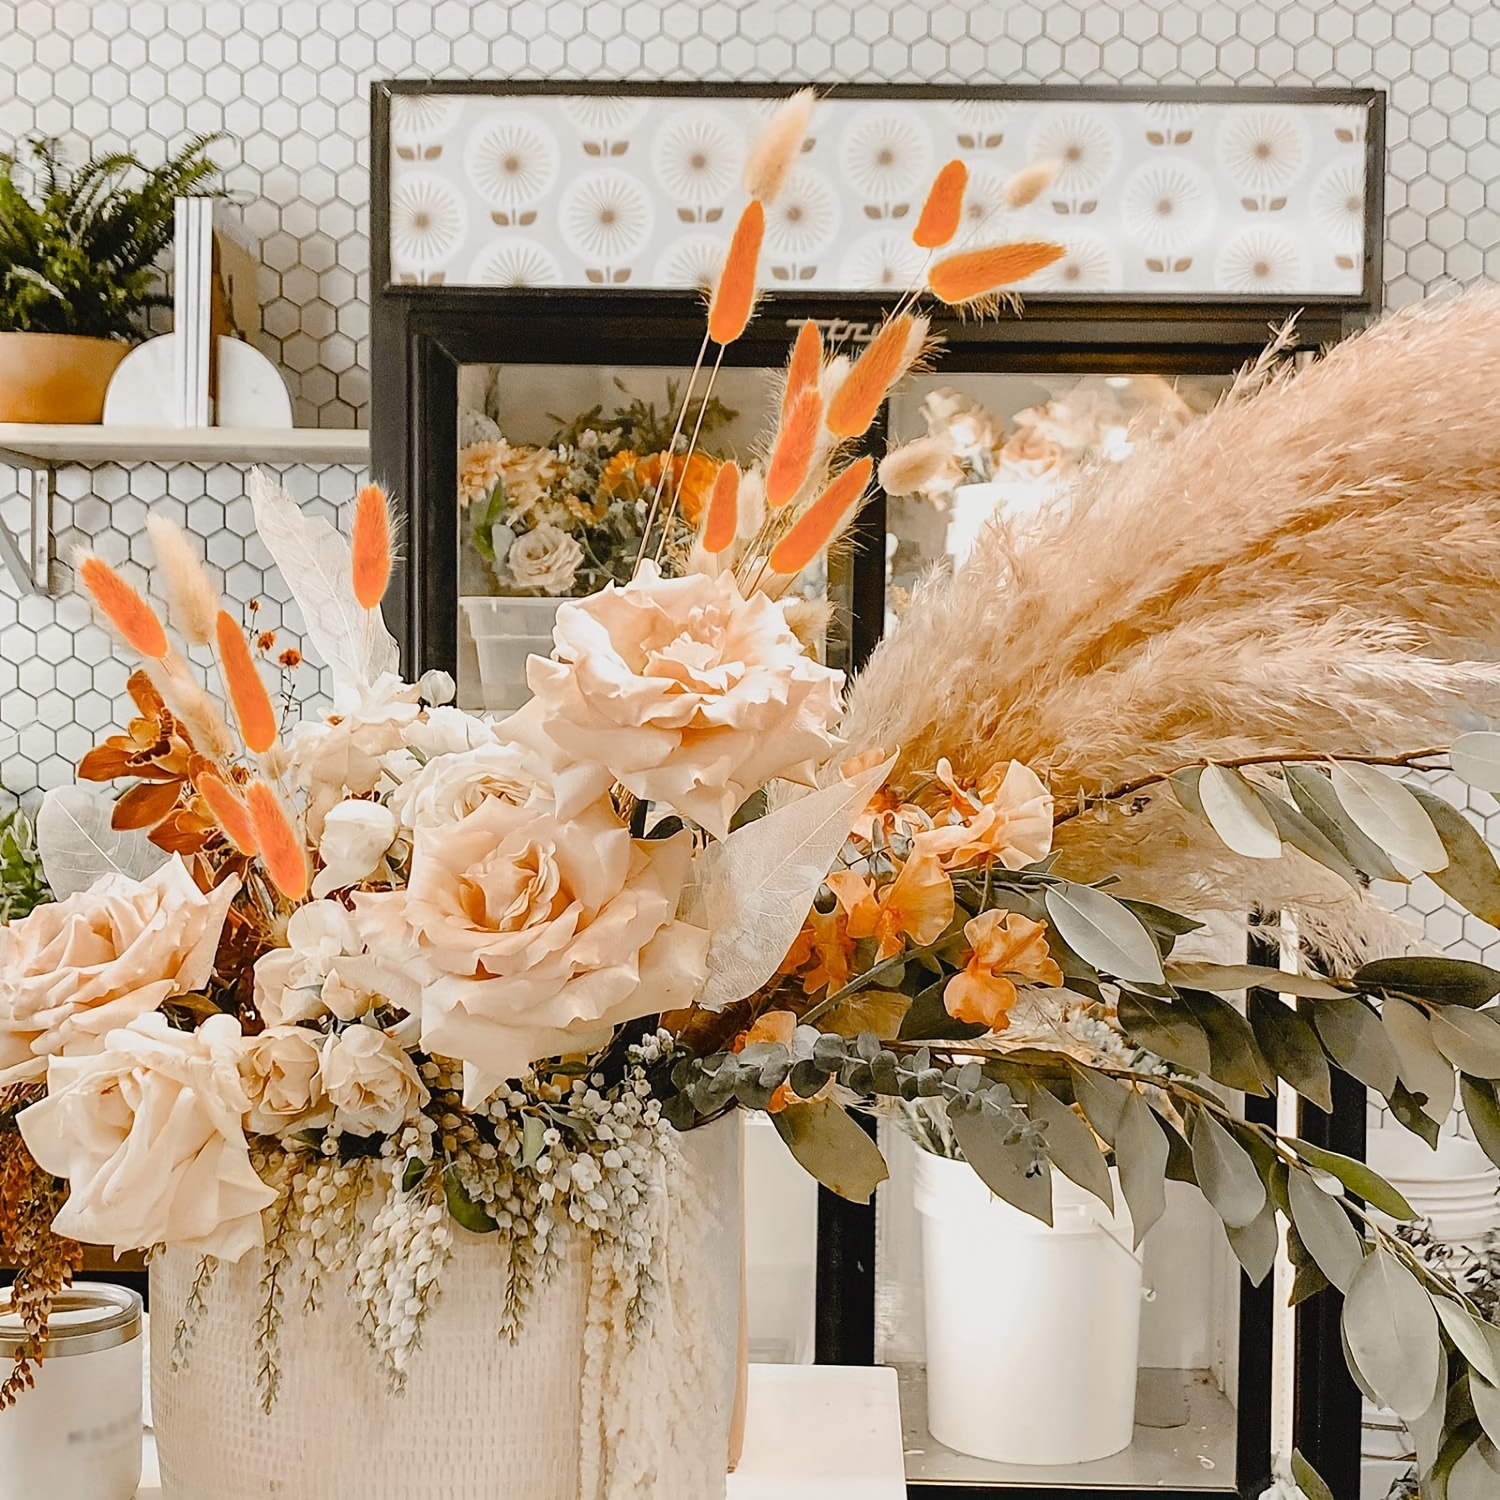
573, 1410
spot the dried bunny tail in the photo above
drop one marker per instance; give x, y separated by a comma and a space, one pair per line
136, 622
721, 516
970, 276
808, 620
751, 503
734, 296
941, 213
281, 850
886, 358
1310, 569
229, 812
192, 600
204, 721
777, 148
920, 466
804, 366
796, 446
821, 523
371, 546
245, 686
1027, 185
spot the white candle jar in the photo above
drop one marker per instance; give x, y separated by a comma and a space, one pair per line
78, 1433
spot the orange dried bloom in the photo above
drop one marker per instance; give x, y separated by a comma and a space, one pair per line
806, 361
884, 361
291, 658
943, 208
1001, 943
722, 523
252, 703
734, 296
229, 813
971, 274
820, 522
282, 852
265, 640
796, 443
918, 905
371, 546
136, 621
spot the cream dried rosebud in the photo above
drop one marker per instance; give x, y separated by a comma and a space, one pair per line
926, 467
437, 687
1029, 183
356, 835
370, 1081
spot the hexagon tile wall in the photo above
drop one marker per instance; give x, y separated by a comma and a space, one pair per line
290, 83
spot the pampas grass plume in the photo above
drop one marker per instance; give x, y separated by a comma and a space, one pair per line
1029, 183
192, 600
123, 607
922, 465
778, 146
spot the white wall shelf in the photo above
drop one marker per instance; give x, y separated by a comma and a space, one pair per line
34, 451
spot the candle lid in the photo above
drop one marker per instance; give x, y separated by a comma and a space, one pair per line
86, 1317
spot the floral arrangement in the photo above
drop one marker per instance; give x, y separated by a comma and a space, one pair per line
364, 977
570, 517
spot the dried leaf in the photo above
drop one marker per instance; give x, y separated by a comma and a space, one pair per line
78, 845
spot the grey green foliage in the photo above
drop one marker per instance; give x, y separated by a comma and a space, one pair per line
23, 886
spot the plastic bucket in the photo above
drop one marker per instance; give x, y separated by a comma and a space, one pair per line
506, 631
1033, 1333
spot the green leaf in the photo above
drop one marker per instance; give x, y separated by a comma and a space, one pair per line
1307, 1479
1471, 1477
1325, 1230
1222, 977
1225, 1172
1475, 758
1236, 814
416, 1170
1472, 876
1483, 1111
1386, 813
1407, 1108
1291, 1046
1471, 1340
1482, 1392
1361, 1180
1168, 1030
1105, 933
1071, 1145
1184, 784
1303, 834
1141, 1154
1101, 1098
881, 1012
463, 1209
831, 1147
1314, 795
1392, 1331
1235, 1058
1443, 981
1006, 1169
928, 1020
1254, 1244
1356, 1041
1469, 1039
1424, 1070
533, 1139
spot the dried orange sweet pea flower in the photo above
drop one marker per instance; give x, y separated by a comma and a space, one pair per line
1008, 817
918, 904
821, 952
1001, 943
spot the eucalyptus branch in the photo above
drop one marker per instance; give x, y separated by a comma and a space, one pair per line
1089, 800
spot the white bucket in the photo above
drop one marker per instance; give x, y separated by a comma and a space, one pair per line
506, 631
1032, 1333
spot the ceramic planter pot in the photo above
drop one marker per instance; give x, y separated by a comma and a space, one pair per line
55, 377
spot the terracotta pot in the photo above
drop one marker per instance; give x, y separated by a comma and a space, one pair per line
55, 377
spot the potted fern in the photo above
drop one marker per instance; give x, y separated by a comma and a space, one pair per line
78, 251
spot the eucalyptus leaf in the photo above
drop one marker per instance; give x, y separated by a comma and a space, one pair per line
1359, 1178
1221, 977
1141, 1154
1236, 814
1184, 784
1071, 1145
1168, 1030
1443, 981
1387, 814
1298, 830
1407, 1108
1235, 1058
1482, 1392
1225, 1172
1291, 1047
1471, 1340
1424, 1070
1325, 1230
1101, 1098
1471, 1477
1483, 1112
1472, 876
1469, 1039
1427, 1429
1475, 758
1356, 1041
1005, 1168
1255, 1244
832, 1147
928, 1020
1105, 933
533, 1139
1392, 1332
1319, 804
1359, 1380
1307, 1479
1307, 1282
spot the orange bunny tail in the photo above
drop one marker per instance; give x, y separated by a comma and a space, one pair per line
734, 296
280, 849
252, 703
943, 208
822, 520
229, 813
886, 359
795, 445
136, 621
721, 525
971, 275
806, 362
371, 546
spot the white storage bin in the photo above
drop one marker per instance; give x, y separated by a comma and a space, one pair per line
506, 631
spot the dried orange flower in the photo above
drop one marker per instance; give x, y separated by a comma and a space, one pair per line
1001, 943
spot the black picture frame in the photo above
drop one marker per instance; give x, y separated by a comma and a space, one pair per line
422, 335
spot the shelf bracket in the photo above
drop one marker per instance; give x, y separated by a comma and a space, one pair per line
28, 559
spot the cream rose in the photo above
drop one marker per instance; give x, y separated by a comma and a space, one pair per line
693, 696
76, 969
150, 1134
370, 1081
279, 1069
538, 934
355, 836
544, 558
